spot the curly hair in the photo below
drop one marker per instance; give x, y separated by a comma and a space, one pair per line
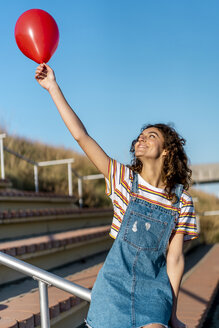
175, 165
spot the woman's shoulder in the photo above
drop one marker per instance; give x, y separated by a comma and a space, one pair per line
186, 198
186, 195
122, 172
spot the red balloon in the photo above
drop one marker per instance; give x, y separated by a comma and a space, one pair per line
37, 35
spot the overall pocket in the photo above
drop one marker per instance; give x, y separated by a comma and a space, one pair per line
144, 232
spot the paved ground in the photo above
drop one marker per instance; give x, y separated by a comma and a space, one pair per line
198, 290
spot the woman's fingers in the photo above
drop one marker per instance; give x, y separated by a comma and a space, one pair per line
41, 74
41, 71
44, 75
39, 78
41, 67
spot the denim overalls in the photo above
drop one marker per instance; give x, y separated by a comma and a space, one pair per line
132, 288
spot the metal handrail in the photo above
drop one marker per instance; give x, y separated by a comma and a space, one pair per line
209, 213
80, 179
86, 177
35, 164
45, 279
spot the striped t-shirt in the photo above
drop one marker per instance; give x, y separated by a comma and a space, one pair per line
118, 188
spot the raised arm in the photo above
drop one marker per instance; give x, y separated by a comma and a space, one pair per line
46, 78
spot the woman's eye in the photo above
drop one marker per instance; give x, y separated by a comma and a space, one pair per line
152, 136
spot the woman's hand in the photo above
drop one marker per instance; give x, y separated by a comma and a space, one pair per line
45, 76
176, 323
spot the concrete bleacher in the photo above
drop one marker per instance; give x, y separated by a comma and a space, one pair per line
48, 231
22, 223
17, 199
66, 310
55, 250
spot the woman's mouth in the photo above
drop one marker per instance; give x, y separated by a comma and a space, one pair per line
142, 147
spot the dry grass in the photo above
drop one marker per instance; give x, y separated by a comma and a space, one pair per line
209, 224
53, 178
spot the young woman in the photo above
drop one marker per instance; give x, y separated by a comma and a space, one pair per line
138, 284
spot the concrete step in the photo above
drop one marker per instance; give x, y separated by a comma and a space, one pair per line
21, 223
17, 199
55, 250
5, 183
24, 311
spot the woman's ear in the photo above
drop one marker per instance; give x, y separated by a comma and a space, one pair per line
165, 152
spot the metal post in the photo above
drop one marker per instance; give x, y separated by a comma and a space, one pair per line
2, 160
198, 223
80, 192
36, 178
44, 305
70, 180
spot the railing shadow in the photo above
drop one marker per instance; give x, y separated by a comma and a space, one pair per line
196, 297
3, 307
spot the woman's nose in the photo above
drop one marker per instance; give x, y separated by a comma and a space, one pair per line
143, 139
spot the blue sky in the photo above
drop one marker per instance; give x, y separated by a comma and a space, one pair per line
120, 64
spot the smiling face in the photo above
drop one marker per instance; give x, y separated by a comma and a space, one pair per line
150, 144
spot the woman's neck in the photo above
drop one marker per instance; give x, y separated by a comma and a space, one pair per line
151, 172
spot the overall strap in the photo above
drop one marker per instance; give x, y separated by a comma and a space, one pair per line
178, 191
134, 188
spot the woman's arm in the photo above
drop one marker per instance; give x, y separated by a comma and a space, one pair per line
46, 78
175, 269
